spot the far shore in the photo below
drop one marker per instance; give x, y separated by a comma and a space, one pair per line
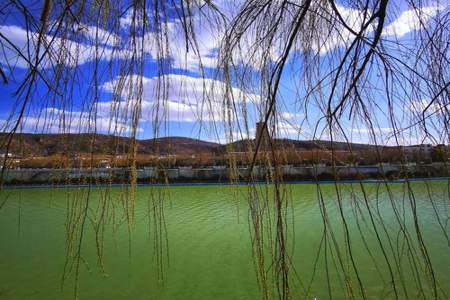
223, 175
239, 183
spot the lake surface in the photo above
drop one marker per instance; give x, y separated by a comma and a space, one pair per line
194, 242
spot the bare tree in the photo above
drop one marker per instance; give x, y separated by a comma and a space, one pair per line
351, 70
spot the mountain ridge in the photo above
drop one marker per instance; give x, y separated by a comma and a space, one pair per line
31, 144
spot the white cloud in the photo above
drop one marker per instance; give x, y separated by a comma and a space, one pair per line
251, 50
52, 120
183, 99
339, 36
201, 50
289, 129
289, 115
104, 37
178, 98
410, 20
62, 51
127, 19
208, 39
419, 106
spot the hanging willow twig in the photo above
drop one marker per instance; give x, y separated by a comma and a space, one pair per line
339, 68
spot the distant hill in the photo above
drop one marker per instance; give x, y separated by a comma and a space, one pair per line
242, 145
26, 144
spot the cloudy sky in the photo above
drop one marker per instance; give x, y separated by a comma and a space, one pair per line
181, 92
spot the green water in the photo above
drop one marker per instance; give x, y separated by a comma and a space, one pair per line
208, 253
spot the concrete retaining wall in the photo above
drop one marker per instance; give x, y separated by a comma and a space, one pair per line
289, 172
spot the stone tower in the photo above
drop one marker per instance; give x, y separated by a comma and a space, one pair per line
263, 134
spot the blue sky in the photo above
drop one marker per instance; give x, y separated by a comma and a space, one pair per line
191, 93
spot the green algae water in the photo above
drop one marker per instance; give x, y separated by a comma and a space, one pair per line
194, 242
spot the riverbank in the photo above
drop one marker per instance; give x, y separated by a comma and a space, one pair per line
214, 175
240, 183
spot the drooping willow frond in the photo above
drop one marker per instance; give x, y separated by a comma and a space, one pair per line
341, 71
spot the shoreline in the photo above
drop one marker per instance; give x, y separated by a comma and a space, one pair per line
240, 183
220, 174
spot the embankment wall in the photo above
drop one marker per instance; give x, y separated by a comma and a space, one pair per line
222, 174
